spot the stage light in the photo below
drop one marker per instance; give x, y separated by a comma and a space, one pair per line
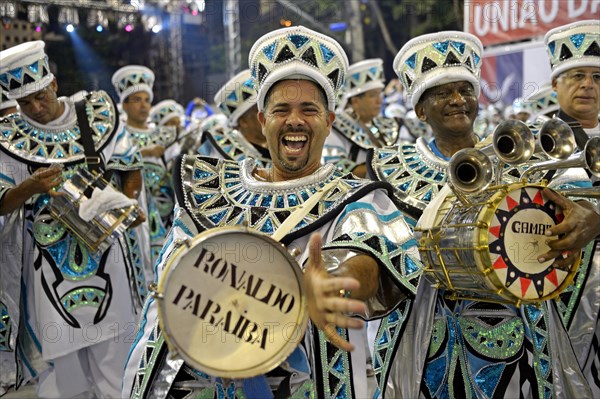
99, 28
128, 28
157, 28
38, 28
70, 28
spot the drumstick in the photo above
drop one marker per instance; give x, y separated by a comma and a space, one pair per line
296, 216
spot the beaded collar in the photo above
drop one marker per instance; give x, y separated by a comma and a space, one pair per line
387, 129
232, 144
35, 143
227, 193
160, 135
414, 170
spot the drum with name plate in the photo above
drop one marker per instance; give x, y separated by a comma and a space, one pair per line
231, 302
102, 230
488, 248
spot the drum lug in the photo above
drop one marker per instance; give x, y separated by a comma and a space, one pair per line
295, 251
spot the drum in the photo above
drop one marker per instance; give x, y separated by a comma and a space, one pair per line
487, 249
100, 233
231, 302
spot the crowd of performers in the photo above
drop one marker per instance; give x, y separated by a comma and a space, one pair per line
80, 322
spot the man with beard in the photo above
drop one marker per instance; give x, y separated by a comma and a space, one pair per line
58, 281
460, 347
350, 264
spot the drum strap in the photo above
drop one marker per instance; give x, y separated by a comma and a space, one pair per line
92, 157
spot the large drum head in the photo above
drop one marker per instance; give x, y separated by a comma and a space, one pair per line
516, 237
232, 303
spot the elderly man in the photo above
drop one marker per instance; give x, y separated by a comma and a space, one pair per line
87, 297
575, 59
298, 73
464, 347
242, 137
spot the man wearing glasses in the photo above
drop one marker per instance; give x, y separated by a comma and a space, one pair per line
574, 52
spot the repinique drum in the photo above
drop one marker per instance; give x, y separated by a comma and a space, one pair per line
101, 232
231, 302
488, 249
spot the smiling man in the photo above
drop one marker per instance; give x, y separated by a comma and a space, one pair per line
356, 250
461, 341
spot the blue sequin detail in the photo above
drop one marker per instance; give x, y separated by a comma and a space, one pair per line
292, 199
439, 177
232, 96
266, 201
547, 393
388, 172
342, 393
249, 83
411, 61
202, 198
298, 40
391, 246
404, 186
476, 58
105, 113
434, 373
539, 340
384, 339
577, 39
231, 175
267, 227
34, 67
373, 70
17, 72
545, 366
534, 312
327, 54
216, 218
442, 47
356, 76
339, 365
427, 196
230, 184
22, 144
552, 47
459, 46
304, 195
487, 379
279, 201
394, 316
411, 266
254, 200
4, 79
58, 251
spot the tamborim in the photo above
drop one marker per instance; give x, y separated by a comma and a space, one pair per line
99, 233
488, 249
231, 302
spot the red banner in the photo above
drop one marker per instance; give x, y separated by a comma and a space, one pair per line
504, 21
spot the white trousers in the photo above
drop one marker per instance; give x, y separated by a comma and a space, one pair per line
92, 372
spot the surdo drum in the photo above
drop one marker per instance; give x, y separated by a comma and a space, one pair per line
488, 248
231, 302
102, 230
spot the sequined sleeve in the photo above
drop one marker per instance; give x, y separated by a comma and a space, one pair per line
373, 225
126, 155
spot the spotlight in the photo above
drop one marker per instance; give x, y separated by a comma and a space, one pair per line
156, 28
128, 28
38, 28
99, 28
70, 28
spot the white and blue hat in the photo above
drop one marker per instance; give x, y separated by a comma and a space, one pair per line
543, 101
236, 96
132, 79
364, 76
436, 59
298, 53
165, 110
24, 69
573, 45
